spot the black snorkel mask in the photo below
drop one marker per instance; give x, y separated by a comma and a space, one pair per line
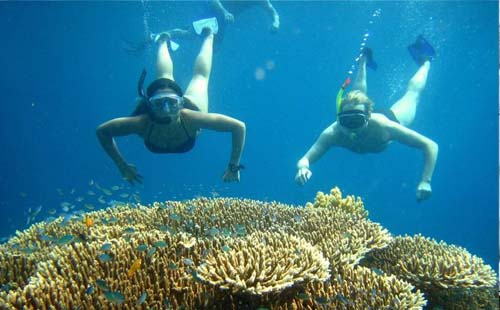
353, 119
162, 106
350, 119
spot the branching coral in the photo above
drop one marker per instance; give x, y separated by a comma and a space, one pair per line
334, 201
214, 253
429, 264
360, 288
264, 263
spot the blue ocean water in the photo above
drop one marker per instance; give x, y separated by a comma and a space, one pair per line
65, 72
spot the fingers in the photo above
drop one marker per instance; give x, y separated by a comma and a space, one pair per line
423, 195
300, 179
138, 178
303, 177
231, 177
132, 179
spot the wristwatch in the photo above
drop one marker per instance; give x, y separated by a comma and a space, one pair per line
236, 168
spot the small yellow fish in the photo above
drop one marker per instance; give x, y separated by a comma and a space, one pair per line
135, 266
88, 221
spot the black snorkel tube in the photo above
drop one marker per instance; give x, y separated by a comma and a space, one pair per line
143, 106
141, 101
140, 84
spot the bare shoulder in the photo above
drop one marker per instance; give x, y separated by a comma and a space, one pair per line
331, 133
125, 125
194, 118
383, 123
399, 132
198, 118
381, 119
139, 122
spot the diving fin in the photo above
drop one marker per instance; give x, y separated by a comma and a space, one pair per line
368, 54
421, 50
174, 45
210, 23
165, 36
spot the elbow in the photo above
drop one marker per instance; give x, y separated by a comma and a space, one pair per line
433, 148
101, 132
240, 128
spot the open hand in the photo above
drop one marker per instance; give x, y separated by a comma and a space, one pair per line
231, 176
129, 173
303, 175
424, 191
228, 17
275, 26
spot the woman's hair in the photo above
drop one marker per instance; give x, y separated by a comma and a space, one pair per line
355, 98
141, 106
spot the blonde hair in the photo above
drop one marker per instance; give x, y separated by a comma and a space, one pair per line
355, 98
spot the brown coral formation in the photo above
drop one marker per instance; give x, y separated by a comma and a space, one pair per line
429, 264
361, 288
214, 254
264, 263
350, 204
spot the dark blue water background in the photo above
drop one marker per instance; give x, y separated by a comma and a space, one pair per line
64, 72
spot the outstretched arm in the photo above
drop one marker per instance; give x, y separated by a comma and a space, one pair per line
220, 122
119, 127
319, 148
428, 147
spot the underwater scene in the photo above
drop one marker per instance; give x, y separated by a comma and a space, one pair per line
249, 155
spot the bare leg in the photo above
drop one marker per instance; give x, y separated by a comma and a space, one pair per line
164, 65
360, 80
197, 90
405, 108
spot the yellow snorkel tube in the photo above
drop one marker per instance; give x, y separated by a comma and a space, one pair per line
340, 94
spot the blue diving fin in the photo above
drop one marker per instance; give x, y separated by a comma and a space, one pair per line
210, 23
368, 54
421, 50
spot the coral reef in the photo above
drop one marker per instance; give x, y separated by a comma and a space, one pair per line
264, 263
230, 254
429, 264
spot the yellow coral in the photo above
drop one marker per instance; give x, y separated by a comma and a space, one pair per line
192, 250
429, 264
334, 200
264, 263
